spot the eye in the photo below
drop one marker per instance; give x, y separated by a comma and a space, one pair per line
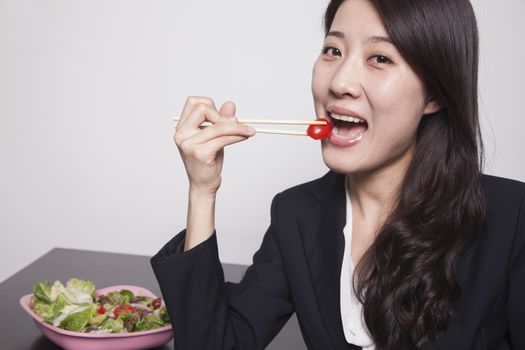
381, 59
331, 51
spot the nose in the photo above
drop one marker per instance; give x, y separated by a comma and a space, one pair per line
347, 79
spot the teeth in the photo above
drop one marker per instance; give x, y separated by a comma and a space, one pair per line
347, 118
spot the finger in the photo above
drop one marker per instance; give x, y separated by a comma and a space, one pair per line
228, 109
221, 129
210, 152
220, 143
191, 103
191, 125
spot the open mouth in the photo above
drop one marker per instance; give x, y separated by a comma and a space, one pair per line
348, 127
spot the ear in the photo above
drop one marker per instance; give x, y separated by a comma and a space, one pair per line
432, 106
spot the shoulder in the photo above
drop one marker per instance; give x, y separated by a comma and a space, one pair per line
502, 190
301, 197
504, 224
507, 186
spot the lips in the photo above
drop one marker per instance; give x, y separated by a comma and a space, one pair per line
345, 112
349, 126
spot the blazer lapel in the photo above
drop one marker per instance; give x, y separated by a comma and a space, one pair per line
321, 230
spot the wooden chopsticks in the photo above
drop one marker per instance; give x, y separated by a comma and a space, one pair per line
274, 121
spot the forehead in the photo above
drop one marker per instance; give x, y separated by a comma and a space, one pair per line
358, 17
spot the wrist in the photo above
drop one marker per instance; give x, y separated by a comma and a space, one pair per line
201, 217
208, 194
205, 192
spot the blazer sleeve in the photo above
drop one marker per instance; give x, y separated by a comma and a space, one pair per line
208, 313
516, 287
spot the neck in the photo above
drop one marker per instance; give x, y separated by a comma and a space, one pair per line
374, 194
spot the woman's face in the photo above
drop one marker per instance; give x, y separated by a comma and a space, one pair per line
372, 96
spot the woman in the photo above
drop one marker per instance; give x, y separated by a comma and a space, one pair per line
404, 244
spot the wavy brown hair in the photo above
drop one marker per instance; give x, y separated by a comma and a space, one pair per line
406, 279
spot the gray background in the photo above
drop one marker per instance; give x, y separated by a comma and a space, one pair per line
88, 90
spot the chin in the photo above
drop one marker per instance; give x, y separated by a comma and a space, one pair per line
340, 164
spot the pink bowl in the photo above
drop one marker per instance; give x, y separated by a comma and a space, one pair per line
116, 341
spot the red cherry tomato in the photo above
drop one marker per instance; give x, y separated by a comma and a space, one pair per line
101, 310
123, 308
319, 132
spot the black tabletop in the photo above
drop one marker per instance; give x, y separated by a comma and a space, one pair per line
18, 331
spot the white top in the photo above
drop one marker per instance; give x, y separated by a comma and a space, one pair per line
351, 309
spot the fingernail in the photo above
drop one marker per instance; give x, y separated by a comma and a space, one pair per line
251, 131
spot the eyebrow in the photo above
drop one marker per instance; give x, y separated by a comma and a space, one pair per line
337, 34
371, 39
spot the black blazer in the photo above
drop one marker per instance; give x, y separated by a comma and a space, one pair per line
298, 266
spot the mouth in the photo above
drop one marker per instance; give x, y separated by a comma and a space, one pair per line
348, 127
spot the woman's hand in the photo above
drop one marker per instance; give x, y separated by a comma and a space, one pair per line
202, 149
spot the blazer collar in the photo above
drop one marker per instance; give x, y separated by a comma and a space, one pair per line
321, 229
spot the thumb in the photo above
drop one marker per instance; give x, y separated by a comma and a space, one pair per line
227, 109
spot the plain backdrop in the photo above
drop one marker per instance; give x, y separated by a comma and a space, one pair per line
88, 90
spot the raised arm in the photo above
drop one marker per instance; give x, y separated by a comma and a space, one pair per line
202, 151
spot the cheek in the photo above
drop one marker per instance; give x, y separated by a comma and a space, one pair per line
319, 81
397, 108
398, 85
397, 123
398, 102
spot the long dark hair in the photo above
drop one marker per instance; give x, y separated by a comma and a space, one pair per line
406, 279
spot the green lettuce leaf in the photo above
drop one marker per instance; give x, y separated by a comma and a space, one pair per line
57, 308
112, 325
76, 321
127, 295
163, 314
150, 321
96, 320
80, 285
80, 291
59, 303
57, 289
130, 319
42, 291
77, 291
42, 309
115, 298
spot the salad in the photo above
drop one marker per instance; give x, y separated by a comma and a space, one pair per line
76, 307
